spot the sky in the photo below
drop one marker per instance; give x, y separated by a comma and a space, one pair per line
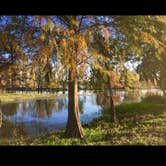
131, 65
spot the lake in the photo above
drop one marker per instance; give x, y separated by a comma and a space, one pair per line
33, 118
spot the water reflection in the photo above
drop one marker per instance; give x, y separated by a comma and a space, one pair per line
103, 98
36, 117
9, 109
119, 97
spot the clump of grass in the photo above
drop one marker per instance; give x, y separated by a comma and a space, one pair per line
154, 99
58, 138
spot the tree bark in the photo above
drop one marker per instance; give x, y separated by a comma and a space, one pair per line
112, 106
164, 93
73, 127
1, 118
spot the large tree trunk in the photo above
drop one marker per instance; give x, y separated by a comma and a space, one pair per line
112, 106
73, 128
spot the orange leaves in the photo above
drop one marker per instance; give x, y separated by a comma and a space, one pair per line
72, 49
81, 43
54, 43
28, 35
97, 66
58, 29
115, 79
3, 38
74, 22
42, 37
43, 55
152, 40
64, 51
45, 52
64, 44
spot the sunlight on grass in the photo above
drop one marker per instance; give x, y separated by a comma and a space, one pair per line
10, 97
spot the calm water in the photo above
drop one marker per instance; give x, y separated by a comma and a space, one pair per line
37, 117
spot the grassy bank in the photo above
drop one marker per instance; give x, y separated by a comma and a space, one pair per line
138, 124
10, 97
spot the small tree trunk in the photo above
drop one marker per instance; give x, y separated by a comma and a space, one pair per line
112, 106
164, 93
1, 118
73, 127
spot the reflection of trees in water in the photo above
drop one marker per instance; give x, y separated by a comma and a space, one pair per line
9, 109
38, 108
49, 105
43, 108
81, 105
103, 100
151, 93
35, 108
134, 96
10, 130
81, 100
61, 103
92, 99
0, 118
24, 106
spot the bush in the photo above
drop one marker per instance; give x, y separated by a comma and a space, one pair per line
137, 109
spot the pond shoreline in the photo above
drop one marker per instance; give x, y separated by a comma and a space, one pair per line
139, 124
132, 117
35, 117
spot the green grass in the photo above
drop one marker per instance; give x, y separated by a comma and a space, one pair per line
11, 97
138, 124
151, 131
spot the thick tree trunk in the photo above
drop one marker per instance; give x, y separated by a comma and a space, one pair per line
73, 127
112, 106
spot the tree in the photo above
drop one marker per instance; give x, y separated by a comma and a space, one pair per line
110, 51
131, 80
72, 44
75, 35
145, 37
77, 43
